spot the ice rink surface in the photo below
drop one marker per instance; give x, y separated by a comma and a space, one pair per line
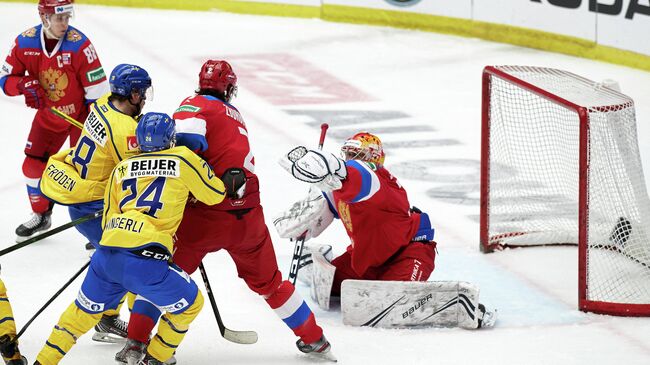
420, 92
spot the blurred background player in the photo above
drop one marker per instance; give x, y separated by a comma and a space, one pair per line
208, 123
8, 343
51, 65
144, 204
108, 137
390, 240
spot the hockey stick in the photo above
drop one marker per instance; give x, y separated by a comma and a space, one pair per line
51, 232
22, 330
242, 337
300, 241
67, 118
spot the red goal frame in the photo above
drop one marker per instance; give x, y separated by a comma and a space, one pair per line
619, 309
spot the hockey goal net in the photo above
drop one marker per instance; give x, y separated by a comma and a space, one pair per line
560, 164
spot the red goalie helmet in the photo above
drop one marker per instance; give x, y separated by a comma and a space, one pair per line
55, 6
218, 76
365, 147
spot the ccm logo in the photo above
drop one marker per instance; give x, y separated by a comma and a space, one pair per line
610, 9
155, 256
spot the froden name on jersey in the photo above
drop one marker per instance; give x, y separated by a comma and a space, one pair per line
142, 167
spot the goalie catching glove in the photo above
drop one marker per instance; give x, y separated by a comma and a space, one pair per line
322, 169
309, 216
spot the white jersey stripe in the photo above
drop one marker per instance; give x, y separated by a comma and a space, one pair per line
289, 307
191, 126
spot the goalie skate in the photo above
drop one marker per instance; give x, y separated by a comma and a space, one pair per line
487, 318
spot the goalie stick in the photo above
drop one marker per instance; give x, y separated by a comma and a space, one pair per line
300, 241
53, 231
242, 337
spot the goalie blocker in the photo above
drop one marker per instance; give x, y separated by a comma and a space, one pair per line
401, 304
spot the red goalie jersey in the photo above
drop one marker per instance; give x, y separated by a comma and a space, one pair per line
71, 74
203, 121
375, 210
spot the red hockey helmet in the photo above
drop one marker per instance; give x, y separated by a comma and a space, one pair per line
218, 76
365, 147
55, 6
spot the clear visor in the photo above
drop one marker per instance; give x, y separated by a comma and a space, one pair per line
62, 14
146, 94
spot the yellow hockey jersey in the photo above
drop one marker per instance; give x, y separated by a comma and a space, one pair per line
79, 175
146, 195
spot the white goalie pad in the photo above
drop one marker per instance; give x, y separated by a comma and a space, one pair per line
311, 215
321, 280
403, 304
306, 264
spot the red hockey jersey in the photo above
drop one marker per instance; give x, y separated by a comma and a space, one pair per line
71, 74
203, 121
375, 211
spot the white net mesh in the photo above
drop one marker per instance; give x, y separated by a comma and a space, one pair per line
534, 176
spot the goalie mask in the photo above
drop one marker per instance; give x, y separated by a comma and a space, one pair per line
365, 147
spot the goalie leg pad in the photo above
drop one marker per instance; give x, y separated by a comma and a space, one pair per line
305, 263
398, 304
322, 279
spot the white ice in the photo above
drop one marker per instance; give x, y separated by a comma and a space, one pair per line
433, 78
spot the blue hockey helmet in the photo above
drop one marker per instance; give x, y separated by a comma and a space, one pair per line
155, 132
127, 78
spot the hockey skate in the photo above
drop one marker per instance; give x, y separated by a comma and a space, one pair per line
9, 350
486, 318
133, 352
320, 349
110, 329
305, 264
150, 360
37, 223
21, 361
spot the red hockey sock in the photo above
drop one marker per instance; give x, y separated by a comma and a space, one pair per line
33, 169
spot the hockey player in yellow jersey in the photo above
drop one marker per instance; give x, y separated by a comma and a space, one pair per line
8, 344
77, 177
144, 203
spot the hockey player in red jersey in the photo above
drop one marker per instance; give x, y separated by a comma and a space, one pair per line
390, 240
51, 65
209, 124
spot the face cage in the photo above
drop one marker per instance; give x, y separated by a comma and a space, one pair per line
355, 153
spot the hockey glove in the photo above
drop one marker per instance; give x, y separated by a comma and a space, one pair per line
234, 179
322, 169
33, 92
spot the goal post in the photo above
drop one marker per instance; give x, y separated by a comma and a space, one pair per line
560, 165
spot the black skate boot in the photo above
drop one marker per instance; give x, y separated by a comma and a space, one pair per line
38, 223
9, 351
21, 361
320, 349
110, 329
